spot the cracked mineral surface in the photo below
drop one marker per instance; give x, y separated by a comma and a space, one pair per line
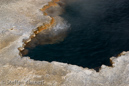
19, 19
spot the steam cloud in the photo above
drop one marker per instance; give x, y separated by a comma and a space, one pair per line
51, 35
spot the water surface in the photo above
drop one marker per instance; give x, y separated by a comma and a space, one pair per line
99, 30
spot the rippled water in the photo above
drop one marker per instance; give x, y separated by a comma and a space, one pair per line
99, 30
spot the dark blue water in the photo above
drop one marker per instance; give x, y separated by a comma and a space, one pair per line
98, 31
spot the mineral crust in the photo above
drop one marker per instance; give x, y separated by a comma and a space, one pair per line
19, 19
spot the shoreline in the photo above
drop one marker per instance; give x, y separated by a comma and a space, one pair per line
43, 27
